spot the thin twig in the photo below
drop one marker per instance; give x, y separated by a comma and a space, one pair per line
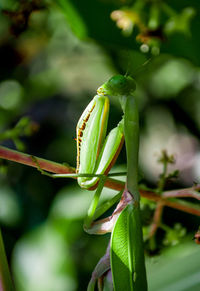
191, 192
182, 207
26, 159
156, 218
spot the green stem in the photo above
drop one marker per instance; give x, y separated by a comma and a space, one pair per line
5, 279
162, 181
131, 131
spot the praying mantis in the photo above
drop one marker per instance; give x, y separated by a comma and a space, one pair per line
96, 154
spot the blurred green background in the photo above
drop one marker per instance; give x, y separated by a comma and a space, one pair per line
53, 57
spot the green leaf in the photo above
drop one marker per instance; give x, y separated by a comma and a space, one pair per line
176, 269
127, 252
5, 279
74, 18
92, 19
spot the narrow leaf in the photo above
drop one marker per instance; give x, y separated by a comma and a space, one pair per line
177, 268
5, 279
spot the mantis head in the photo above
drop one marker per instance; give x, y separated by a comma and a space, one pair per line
118, 86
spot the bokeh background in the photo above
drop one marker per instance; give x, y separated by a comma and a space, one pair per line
53, 57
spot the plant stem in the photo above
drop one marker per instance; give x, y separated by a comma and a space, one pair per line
131, 131
156, 218
162, 180
187, 192
5, 279
110, 183
26, 159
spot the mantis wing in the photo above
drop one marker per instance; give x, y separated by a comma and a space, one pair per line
96, 156
91, 131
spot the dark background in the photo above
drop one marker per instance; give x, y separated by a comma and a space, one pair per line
53, 57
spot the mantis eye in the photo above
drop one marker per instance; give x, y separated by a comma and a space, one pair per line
118, 85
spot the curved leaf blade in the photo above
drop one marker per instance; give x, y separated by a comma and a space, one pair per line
177, 268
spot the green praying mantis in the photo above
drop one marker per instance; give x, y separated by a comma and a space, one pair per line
96, 154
